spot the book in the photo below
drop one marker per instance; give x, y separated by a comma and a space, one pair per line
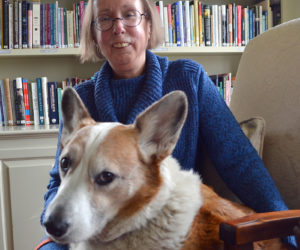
19, 102
3, 105
5, 27
44, 81
30, 101
29, 22
24, 25
10, 26
59, 95
35, 103
12, 96
36, 23
8, 103
26, 101
16, 24
207, 25
40, 101
53, 105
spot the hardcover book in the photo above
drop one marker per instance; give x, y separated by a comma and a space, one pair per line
19, 102
53, 105
40, 100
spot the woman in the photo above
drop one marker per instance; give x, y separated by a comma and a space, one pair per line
133, 78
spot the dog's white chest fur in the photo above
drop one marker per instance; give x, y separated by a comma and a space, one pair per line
165, 222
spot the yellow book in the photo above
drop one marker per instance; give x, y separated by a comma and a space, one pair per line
196, 18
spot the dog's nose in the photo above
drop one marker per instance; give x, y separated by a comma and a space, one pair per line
56, 225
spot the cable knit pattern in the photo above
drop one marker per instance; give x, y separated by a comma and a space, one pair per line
209, 125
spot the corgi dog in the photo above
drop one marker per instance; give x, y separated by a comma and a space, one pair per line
121, 188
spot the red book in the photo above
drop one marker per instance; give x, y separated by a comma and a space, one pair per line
239, 25
26, 101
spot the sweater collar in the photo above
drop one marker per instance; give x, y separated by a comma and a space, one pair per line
150, 92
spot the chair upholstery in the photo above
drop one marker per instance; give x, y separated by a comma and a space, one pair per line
268, 85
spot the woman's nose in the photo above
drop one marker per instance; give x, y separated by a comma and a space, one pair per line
118, 26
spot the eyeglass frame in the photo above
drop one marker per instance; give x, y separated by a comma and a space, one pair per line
97, 26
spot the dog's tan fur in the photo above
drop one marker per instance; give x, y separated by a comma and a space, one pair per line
151, 204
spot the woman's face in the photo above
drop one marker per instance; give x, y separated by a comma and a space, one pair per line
124, 47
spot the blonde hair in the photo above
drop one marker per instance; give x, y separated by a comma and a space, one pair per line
89, 51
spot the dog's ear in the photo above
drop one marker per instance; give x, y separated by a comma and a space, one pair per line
74, 114
159, 126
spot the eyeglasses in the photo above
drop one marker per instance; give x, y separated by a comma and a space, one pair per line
130, 18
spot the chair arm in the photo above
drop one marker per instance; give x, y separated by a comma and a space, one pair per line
259, 226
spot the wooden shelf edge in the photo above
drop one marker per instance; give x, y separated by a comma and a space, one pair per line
158, 51
32, 129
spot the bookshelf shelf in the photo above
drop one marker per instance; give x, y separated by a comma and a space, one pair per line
159, 51
28, 130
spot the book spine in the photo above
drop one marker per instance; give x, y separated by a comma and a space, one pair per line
65, 28
5, 24
16, 24
69, 29
187, 23
52, 97
40, 101
181, 23
12, 96
29, 7
36, 24
35, 103
19, 102
170, 32
59, 95
30, 102
1, 106
11, 25
26, 101
207, 25
166, 26
20, 25
45, 100
3, 103
7, 96
239, 24
24, 25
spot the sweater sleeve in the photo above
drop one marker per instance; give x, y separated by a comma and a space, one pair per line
232, 154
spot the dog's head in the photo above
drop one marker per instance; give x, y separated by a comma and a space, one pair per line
109, 171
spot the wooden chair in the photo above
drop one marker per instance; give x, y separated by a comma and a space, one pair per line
240, 234
267, 85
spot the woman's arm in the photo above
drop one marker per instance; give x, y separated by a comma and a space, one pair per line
232, 154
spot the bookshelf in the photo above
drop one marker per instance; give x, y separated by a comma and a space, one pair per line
27, 153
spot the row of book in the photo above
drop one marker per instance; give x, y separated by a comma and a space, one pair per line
224, 84
192, 23
33, 24
23, 102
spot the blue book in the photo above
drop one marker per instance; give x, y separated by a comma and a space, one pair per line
3, 104
40, 100
250, 13
53, 104
177, 24
59, 103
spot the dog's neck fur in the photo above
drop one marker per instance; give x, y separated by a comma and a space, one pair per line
164, 218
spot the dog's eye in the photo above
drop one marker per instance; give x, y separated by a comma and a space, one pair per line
65, 164
104, 178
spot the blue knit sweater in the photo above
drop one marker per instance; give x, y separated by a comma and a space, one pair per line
209, 124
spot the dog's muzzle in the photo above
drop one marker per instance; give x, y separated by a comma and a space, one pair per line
55, 224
